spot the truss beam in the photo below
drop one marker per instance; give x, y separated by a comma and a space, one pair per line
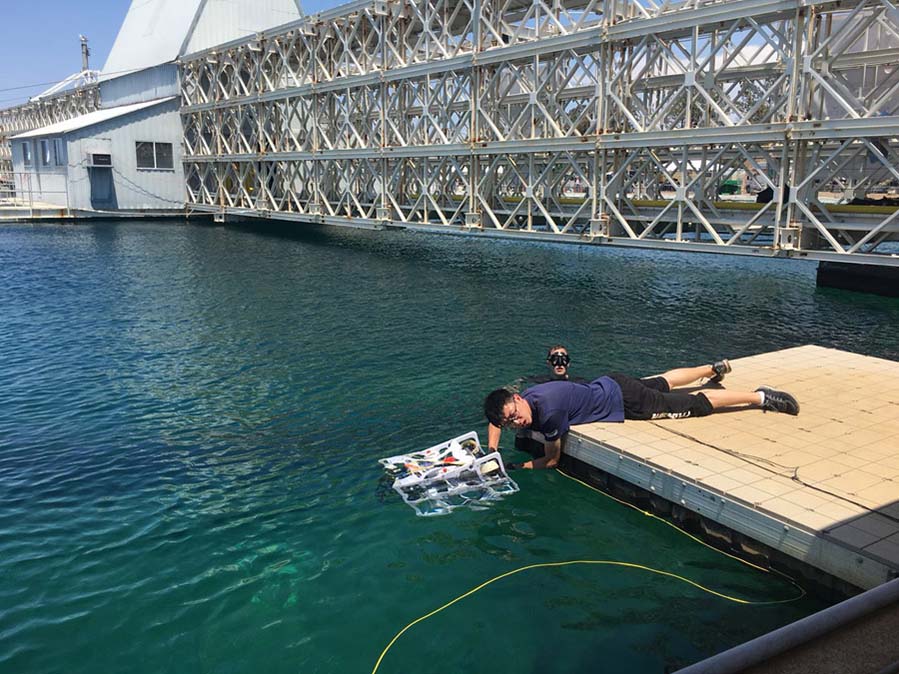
43, 112
631, 122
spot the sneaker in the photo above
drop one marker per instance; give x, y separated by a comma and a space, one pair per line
779, 401
721, 368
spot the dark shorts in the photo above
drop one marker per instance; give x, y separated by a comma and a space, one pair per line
651, 398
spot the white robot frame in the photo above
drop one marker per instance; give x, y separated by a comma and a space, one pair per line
456, 473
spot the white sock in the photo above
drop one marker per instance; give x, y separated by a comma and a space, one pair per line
762, 396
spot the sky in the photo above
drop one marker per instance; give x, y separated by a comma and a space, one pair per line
39, 42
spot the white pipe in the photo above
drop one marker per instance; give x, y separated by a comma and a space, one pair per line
795, 634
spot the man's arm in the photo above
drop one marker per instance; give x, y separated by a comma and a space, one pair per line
493, 434
552, 450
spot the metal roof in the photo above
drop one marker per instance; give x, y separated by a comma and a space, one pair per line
152, 33
90, 119
220, 21
159, 31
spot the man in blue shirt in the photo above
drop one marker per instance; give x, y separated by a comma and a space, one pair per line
554, 407
526, 440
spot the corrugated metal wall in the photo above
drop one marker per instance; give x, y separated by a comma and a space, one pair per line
38, 183
146, 85
135, 188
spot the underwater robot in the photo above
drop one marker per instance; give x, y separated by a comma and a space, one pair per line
456, 473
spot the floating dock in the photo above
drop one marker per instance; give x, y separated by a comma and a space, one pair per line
41, 212
9, 210
821, 488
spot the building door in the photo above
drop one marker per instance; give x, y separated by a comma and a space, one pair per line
102, 188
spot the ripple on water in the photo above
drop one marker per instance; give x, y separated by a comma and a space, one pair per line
192, 418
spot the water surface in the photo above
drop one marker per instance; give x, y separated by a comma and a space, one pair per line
191, 417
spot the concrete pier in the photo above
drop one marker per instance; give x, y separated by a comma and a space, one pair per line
856, 636
821, 488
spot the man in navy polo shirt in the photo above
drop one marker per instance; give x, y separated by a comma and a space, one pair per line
554, 407
526, 440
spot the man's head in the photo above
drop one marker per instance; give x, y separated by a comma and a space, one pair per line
558, 359
504, 408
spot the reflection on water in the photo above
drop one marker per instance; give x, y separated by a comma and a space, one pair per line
192, 418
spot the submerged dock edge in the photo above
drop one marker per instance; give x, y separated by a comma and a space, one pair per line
834, 570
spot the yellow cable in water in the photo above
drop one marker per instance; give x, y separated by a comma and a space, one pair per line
663, 521
606, 562
689, 535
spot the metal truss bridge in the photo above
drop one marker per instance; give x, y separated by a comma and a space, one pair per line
41, 111
626, 122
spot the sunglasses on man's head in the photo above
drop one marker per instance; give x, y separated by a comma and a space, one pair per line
558, 359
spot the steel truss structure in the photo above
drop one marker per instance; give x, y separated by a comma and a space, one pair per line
43, 111
605, 121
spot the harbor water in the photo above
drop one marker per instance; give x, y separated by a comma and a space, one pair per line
191, 419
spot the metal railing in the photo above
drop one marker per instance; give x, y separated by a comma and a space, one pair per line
23, 195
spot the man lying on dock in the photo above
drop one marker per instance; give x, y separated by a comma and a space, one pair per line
526, 439
554, 407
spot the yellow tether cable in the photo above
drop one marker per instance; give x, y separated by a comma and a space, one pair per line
605, 562
684, 532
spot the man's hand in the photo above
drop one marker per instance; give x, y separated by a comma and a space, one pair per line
553, 450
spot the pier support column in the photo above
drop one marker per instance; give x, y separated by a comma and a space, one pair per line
866, 278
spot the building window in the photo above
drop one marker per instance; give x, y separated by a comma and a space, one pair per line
26, 152
164, 156
154, 155
45, 152
59, 152
145, 155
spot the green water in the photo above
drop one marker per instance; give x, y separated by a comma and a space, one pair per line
191, 417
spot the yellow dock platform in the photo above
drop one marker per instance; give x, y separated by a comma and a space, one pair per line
822, 487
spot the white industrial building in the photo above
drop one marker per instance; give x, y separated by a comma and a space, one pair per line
126, 156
